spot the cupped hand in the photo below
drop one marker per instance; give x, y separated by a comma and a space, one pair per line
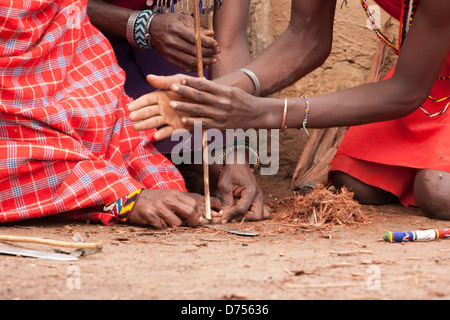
152, 111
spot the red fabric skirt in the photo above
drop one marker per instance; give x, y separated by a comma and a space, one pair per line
389, 154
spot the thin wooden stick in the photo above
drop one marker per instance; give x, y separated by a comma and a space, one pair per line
75, 245
198, 45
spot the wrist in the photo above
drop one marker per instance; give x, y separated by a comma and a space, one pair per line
272, 117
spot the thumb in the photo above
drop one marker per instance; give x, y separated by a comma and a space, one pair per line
164, 82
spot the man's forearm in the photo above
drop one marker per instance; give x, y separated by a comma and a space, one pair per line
109, 19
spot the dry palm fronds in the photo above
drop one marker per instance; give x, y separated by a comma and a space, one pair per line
322, 207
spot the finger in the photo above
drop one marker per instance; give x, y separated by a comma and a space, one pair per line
227, 206
194, 109
216, 203
267, 213
187, 32
209, 47
204, 92
151, 123
144, 113
162, 223
202, 208
168, 216
205, 85
163, 133
256, 211
207, 32
149, 219
145, 101
164, 82
241, 208
196, 89
204, 122
188, 209
188, 61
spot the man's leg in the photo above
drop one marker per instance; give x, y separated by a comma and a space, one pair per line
364, 193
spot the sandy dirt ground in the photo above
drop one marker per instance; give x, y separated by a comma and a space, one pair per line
284, 262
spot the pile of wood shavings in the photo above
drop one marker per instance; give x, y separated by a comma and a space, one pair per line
322, 208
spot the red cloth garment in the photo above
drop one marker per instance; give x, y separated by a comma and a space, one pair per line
389, 154
66, 143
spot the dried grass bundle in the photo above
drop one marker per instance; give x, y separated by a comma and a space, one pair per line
322, 207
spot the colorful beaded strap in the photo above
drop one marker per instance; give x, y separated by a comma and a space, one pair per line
123, 207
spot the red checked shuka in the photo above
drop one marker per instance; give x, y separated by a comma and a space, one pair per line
66, 144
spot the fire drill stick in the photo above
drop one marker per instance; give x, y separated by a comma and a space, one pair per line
198, 45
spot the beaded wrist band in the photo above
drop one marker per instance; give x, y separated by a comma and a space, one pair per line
138, 29
240, 145
305, 120
123, 207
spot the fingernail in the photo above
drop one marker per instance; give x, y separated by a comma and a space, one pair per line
183, 120
173, 104
175, 88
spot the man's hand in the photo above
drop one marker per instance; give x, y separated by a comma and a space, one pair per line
152, 111
238, 182
173, 35
162, 208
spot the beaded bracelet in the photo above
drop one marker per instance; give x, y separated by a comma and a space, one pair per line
123, 207
138, 29
240, 145
305, 120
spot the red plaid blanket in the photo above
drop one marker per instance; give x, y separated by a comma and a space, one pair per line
66, 144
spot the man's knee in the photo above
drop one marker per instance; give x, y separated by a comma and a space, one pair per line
432, 193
